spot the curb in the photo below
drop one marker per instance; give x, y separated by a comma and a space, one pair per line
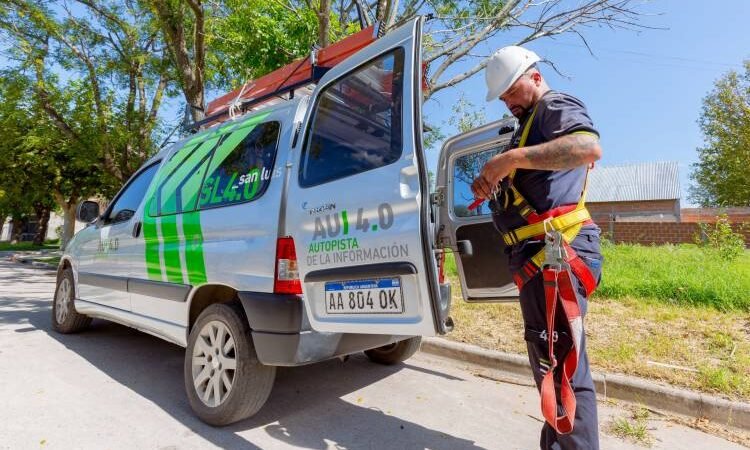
622, 387
28, 261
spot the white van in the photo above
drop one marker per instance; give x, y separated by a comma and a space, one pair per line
294, 234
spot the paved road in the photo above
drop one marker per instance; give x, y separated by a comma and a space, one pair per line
113, 387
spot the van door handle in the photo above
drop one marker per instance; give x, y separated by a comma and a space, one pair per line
137, 229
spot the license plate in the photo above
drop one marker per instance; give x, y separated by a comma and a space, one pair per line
377, 296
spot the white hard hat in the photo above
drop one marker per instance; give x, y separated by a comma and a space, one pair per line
505, 67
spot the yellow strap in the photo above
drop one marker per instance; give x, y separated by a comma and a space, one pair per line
524, 136
560, 223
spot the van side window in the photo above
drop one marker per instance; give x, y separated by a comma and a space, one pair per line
242, 172
465, 169
130, 197
356, 123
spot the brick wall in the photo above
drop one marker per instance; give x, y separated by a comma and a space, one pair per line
659, 210
659, 232
708, 215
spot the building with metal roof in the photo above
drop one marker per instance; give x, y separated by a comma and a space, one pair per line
649, 191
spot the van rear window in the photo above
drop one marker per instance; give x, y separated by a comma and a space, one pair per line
357, 123
222, 170
241, 172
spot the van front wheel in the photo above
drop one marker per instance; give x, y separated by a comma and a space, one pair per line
65, 318
224, 380
395, 353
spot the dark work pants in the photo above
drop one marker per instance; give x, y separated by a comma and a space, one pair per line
585, 434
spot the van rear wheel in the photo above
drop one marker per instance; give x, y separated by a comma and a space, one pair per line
395, 353
224, 380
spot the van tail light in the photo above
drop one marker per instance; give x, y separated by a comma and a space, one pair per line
286, 280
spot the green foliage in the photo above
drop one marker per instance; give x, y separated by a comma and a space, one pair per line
27, 246
721, 238
25, 177
465, 115
721, 175
255, 37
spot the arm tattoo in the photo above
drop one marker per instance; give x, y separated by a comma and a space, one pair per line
565, 152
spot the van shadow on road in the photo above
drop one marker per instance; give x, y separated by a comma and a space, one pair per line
304, 409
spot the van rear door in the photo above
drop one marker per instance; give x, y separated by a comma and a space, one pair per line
479, 251
358, 206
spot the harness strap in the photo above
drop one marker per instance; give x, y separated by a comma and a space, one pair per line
562, 222
558, 286
578, 268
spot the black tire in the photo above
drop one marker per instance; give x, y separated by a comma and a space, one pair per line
251, 381
65, 318
395, 353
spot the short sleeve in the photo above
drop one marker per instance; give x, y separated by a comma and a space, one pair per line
564, 114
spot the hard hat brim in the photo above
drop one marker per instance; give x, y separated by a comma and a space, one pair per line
501, 88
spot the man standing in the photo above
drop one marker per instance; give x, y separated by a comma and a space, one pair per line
541, 177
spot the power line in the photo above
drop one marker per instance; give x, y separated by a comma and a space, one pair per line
648, 55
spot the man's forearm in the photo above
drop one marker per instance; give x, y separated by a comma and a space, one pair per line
565, 152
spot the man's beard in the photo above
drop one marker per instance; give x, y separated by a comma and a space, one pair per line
519, 112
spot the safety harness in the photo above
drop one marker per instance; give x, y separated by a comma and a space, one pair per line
558, 263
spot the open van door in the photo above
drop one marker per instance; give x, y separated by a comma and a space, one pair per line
478, 248
358, 203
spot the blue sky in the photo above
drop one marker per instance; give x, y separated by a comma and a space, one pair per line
644, 89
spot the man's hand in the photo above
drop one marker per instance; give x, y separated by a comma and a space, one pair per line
565, 152
497, 168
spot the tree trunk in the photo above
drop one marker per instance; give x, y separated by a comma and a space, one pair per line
324, 22
68, 206
69, 223
42, 219
16, 224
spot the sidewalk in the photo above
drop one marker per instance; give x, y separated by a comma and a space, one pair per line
37, 258
655, 395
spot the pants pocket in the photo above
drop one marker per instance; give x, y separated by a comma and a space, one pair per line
538, 347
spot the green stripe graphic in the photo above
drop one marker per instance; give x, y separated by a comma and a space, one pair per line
180, 170
153, 268
196, 267
171, 248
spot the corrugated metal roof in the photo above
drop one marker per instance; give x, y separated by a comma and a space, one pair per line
634, 182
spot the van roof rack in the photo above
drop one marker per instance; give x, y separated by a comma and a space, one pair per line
287, 79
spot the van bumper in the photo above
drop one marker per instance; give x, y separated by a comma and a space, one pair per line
283, 337
307, 347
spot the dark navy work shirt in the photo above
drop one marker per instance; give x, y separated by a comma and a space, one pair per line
557, 114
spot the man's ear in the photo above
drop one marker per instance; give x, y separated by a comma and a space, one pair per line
536, 76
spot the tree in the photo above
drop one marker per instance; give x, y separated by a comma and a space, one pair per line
26, 180
250, 38
183, 25
105, 115
722, 174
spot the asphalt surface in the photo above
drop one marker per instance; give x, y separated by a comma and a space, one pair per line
113, 387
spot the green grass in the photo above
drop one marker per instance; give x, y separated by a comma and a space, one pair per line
28, 246
671, 274
634, 428
676, 274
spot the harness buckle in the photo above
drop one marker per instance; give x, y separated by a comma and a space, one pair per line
555, 255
